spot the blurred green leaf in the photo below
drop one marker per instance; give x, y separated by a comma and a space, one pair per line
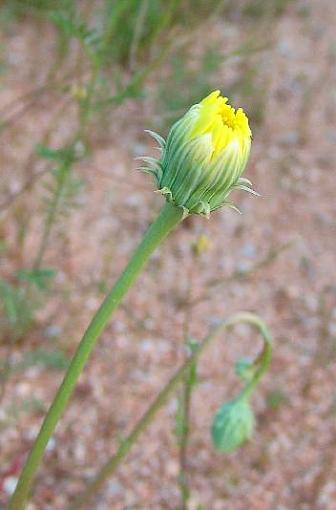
276, 398
63, 155
53, 359
7, 293
39, 277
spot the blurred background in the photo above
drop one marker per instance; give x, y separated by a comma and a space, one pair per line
79, 83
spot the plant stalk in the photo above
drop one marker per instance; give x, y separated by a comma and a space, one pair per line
111, 465
186, 397
51, 216
184, 441
167, 220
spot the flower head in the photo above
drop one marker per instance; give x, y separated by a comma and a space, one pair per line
204, 156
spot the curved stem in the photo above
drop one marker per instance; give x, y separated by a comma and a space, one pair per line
111, 466
261, 363
168, 218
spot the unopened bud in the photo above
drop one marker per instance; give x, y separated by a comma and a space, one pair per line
204, 156
233, 425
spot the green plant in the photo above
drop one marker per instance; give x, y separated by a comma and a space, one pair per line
21, 298
104, 54
187, 370
190, 79
105, 45
54, 359
211, 134
182, 427
166, 221
61, 193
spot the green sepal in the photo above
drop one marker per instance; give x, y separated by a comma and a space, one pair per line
247, 189
166, 193
232, 206
202, 208
158, 138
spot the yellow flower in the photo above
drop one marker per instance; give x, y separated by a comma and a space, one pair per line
225, 125
204, 156
202, 244
78, 92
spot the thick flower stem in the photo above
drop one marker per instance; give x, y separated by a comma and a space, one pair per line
168, 218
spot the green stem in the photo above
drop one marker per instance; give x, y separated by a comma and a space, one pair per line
184, 441
187, 389
85, 110
111, 465
261, 364
52, 214
65, 169
168, 218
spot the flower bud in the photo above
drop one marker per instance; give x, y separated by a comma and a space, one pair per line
204, 156
233, 424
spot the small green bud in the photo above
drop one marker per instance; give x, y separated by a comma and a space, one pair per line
233, 424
